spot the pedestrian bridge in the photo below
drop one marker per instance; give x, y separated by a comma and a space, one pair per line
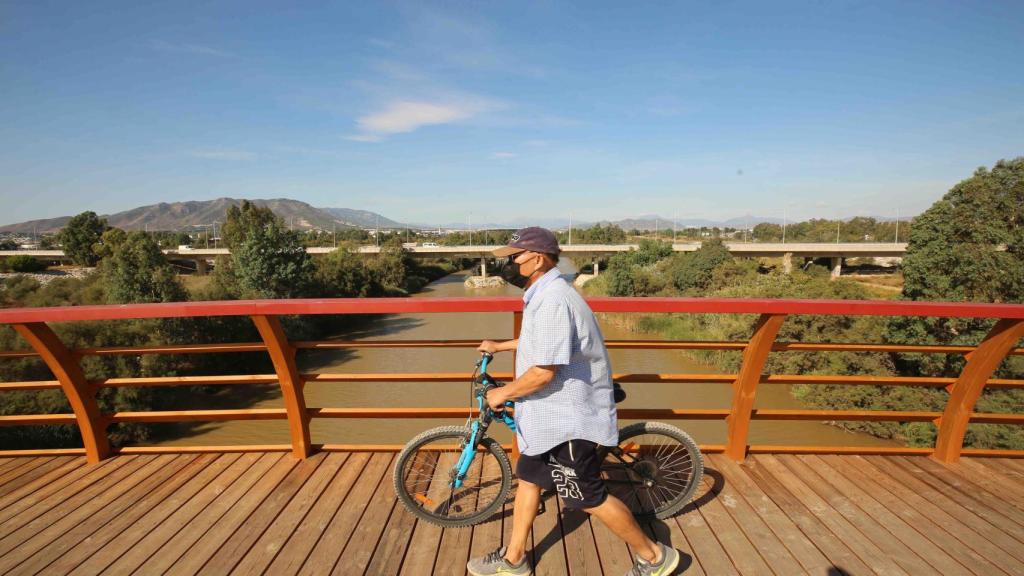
330, 508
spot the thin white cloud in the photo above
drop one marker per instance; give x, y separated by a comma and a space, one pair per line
405, 116
187, 48
225, 154
503, 155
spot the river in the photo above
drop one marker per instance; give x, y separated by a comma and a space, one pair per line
439, 326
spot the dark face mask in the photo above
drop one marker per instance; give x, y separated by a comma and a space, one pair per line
511, 274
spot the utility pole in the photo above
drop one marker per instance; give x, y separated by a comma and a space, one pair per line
469, 225
838, 220
570, 229
783, 224
376, 231
897, 239
675, 223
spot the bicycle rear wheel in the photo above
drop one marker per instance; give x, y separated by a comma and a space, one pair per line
655, 470
425, 472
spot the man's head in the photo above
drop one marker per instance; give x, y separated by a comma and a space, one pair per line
533, 251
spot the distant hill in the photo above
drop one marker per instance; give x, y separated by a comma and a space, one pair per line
197, 214
361, 218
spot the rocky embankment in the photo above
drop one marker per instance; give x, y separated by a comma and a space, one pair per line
51, 275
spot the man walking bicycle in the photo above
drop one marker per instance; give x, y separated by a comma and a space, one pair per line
564, 409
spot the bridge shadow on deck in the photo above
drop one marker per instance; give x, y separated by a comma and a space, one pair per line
336, 513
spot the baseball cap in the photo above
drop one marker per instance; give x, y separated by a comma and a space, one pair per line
534, 239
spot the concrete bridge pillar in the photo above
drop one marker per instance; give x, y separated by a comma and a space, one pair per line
483, 267
837, 266
787, 262
202, 268
597, 267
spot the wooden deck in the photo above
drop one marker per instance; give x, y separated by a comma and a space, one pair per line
259, 513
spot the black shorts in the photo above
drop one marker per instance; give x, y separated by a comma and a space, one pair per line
572, 468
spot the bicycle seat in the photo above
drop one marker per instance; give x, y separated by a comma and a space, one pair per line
618, 392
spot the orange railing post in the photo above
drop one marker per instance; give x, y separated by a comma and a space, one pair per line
745, 387
282, 354
80, 395
967, 388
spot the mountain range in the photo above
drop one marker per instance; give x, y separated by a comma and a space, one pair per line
194, 215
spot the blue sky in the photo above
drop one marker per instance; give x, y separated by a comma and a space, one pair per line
430, 112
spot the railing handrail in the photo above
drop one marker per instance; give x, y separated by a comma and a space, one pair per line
507, 304
982, 360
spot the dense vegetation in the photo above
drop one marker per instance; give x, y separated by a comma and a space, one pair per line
967, 247
268, 262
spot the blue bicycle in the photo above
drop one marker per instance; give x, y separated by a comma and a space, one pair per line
457, 476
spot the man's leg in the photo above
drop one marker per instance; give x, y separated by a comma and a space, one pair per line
617, 517
524, 511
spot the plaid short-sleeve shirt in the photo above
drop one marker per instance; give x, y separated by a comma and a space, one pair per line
559, 329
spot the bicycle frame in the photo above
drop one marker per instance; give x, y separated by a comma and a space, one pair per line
480, 425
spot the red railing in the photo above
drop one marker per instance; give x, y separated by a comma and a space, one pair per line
982, 361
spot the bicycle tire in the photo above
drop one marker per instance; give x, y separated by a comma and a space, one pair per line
666, 472
428, 495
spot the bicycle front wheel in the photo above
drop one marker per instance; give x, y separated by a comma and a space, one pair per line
655, 470
425, 478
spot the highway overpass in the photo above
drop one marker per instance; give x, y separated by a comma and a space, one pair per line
581, 253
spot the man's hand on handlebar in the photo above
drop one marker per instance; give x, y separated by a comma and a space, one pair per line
488, 346
496, 399
492, 347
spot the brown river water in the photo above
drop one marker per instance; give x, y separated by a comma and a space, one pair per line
492, 326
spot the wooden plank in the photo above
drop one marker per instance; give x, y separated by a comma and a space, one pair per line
23, 468
770, 547
337, 534
68, 466
421, 555
1008, 486
371, 526
578, 537
9, 464
615, 555
87, 520
708, 553
969, 484
28, 477
309, 531
19, 545
617, 559
228, 541
931, 485
548, 544
744, 555
201, 537
928, 541
37, 516
883, 538
263, 552
803, 549
999, 465
56, 490
487, 536
866, 551
391, 549
238, 477
830, 544
947, 528
109, 542
454, 551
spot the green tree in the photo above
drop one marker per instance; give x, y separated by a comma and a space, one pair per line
272, 263
80, 236
136, 271
343, 273
696, 270
25, 263
240, 223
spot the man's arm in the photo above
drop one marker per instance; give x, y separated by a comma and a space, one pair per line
492, 347
532, 380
